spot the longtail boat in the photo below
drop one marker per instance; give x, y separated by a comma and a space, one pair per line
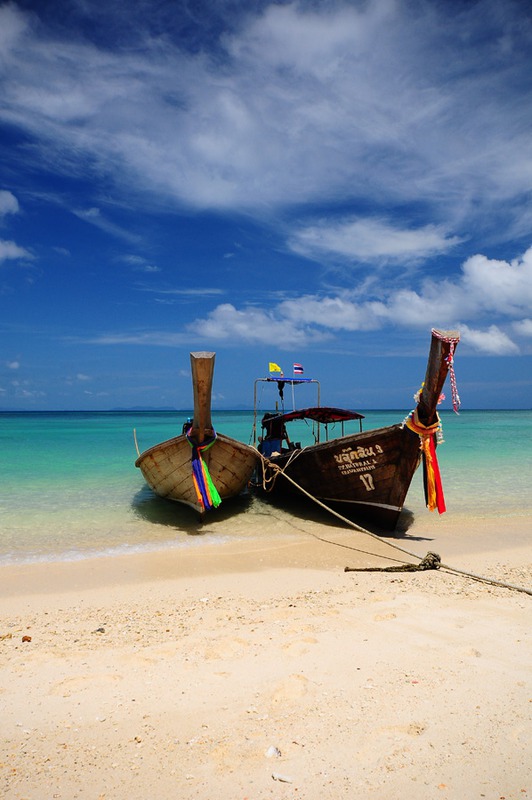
365, 475
200, 467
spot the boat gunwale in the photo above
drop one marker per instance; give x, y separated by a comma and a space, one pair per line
360, 435
221, 437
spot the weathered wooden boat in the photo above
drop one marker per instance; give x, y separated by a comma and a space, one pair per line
364, 476
200, 467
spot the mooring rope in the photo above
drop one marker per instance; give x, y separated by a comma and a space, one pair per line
430, 561
272, 479
136, 443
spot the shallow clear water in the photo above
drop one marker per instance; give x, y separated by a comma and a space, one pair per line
69, 487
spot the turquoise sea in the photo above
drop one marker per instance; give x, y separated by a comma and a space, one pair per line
69, 487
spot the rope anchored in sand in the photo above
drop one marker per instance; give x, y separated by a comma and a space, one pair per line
431, 561
266, 462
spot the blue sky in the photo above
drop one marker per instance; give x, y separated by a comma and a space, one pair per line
313, 182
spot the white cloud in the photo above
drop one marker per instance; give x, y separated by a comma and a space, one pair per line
28, 394
13, 25
523, 327
13, 364
304, 39
492, 341
95, 217
485, 289
253, 325
370, 240
8, 203
149, 338
139, 263
189, 292
12, 251
335, 313
381, 102
501, 286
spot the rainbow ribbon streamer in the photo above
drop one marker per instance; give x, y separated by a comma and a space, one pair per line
206, 491
431, 470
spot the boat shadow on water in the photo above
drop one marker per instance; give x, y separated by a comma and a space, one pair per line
148, 506
301, 509
404, 523
158, 511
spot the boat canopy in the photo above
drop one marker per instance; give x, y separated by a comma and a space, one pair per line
291, 381
322, 414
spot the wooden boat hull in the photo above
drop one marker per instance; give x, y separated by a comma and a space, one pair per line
167, 468
364, 476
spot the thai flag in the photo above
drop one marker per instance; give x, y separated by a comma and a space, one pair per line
298, 369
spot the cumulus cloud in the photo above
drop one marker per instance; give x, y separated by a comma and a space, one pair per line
492, 341
354, 127
523, 327
335, 313
500, 286
485, 289
253, 325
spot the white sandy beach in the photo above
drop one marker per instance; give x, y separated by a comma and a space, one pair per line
262, 670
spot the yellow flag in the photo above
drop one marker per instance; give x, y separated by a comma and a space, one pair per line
275, 367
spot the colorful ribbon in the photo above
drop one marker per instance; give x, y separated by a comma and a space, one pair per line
431, 471
206, 491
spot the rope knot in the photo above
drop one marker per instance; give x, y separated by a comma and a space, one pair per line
431, 561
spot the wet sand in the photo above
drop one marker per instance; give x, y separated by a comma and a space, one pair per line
260, 669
